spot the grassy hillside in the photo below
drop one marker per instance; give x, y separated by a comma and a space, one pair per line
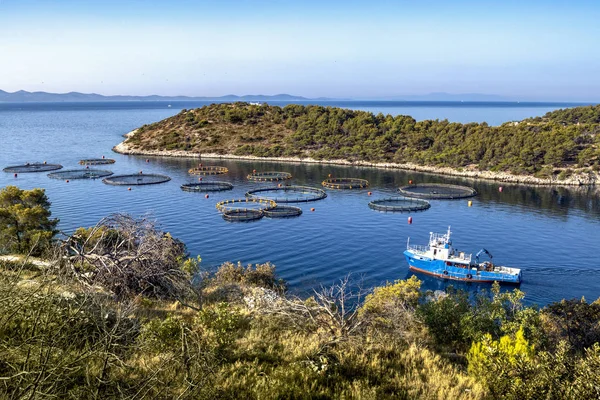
119, 311
547, 146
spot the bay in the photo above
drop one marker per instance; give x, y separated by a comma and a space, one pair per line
551, 233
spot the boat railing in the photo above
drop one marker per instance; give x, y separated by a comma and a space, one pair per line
417, 248
438, 238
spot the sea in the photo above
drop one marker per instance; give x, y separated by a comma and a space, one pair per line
551, 233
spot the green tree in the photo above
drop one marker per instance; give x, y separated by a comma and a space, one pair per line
25, 224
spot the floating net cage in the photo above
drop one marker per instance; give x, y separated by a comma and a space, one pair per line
399, 204
288, 194
283, 212
246, 204
269, 176
345, 183
208, 170
214, 186
242, 215
437, 191
33, 167
80, 174
96, 161
136, 179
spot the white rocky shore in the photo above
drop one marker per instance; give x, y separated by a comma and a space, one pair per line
578, 178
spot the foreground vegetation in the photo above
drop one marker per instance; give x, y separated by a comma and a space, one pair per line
551, 146
120, 311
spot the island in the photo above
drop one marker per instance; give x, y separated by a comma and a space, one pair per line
562, 147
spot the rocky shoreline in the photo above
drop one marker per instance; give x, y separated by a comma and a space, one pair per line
585, 178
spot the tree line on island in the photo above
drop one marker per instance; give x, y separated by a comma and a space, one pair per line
549, 146
119, 310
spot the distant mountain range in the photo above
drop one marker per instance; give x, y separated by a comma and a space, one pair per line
24, 96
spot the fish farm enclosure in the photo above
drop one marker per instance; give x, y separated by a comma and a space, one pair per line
210, 186
33, 167
136, 179
288, 194
97, 161
80, 174
269, 176
345, 183
399, 204
438, 191
208, 170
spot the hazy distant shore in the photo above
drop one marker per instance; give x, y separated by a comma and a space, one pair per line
577, 179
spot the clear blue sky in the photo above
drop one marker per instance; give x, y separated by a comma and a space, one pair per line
544, 50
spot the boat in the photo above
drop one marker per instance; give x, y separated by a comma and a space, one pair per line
441, 260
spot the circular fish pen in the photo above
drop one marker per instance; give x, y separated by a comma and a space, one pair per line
439, 191
32, 167
283, 212
208, 170
269, 176
214, 186
399, 204
345, 183
288, 194
237, 204
242, 215
136, 179
80, 174
96, 161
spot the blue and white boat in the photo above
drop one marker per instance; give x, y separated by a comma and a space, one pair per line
441, 260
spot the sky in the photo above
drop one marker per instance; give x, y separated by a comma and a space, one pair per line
523, 50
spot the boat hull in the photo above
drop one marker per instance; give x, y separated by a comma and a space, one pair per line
439, 269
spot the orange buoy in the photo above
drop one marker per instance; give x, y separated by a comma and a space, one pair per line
279, 185
470, 203
312, 209
410, 181
369, 193
67, 181
128, 188
253, 171
409, 220
206, 196
500, 189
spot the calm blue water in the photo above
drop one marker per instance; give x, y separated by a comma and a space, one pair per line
551, 233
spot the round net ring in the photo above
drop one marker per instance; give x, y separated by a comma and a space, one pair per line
208, 170
213, 186
440, 191
80, 174
96, 161
136, 179
269, 176
242, 215
283, 212
33, 167
255, 204
345, 183
291, 194
399, 204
